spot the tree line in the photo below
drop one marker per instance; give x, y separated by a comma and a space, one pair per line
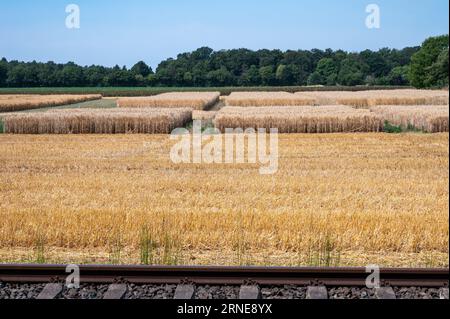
422, 66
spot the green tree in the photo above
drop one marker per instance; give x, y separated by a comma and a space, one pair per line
120, 77
327, 72
427, 64
378, 62
141, 68
438, 71
17, 76
71, 75
285, 74
352, 71
151, 80
95, 75
250, 77
206, 67
221, 77
3, 72
315, 79
267, 75
187, 78
398, 76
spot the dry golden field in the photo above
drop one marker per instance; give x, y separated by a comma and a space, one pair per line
337, 199
12, 103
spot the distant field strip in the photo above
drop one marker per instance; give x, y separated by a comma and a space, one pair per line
194, 100
306, 119
97, 121
366, 198
366, 99
267, 99
12, 103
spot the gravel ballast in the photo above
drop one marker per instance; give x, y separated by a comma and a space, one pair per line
97, 291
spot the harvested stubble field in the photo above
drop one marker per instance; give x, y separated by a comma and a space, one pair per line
337, 199
305, 119
97, 121
267, 99
13, 103
428, 118
367, 99
194, 100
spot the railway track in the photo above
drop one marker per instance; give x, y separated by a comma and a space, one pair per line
133, 282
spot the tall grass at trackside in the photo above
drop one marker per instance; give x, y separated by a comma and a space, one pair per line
160, 247
39, 249
321, 252
115, 249
324, 253
240, 241
147, 247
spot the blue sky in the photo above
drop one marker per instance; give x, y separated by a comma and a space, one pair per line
124, 32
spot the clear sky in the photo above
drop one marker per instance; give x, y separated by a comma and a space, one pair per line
124, 32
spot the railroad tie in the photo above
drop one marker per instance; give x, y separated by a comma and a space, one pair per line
385, 293
250, 292
317, 292
443, 294
115, 291
184, 292
50, 291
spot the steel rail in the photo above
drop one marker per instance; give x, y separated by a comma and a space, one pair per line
399, 277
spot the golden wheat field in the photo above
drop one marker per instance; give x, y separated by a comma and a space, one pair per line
12, 103
367, 99
305, 119
97, 121
337, 199
194, 100
204, 115
428, 118
267, 99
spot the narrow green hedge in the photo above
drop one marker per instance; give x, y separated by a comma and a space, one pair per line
143, 91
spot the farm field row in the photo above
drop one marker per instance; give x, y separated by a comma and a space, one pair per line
290, 113
12, 103
206, 100
360, 99
337, 199
293, 119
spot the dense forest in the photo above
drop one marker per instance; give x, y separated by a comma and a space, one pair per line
423, 66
